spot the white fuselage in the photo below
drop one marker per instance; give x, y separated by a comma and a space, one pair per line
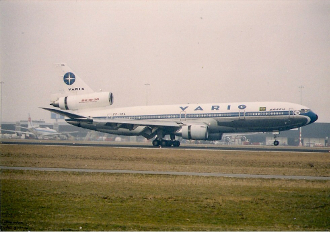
42, 132
219, 117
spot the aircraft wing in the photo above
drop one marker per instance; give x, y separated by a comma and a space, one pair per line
19, 132
119, 122
157, 123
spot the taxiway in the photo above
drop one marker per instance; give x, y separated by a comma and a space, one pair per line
166, 173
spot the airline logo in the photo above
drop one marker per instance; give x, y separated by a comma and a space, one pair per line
69, 78
214, 107
89, 100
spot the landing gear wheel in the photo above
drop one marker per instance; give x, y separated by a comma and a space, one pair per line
156, 143
165, 143
276, 143
176, 143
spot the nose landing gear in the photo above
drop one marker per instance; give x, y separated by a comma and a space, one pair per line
276, 133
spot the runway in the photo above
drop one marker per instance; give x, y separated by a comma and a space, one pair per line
166, 173
183, 146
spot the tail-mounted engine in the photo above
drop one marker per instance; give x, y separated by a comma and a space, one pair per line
77, 102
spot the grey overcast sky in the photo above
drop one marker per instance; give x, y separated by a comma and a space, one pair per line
188, 51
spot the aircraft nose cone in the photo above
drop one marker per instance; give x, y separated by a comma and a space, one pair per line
314, 117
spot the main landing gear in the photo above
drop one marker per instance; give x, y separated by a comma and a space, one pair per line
166, 143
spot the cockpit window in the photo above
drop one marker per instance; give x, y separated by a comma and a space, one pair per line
304, 111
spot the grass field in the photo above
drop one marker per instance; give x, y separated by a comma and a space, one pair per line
32, 200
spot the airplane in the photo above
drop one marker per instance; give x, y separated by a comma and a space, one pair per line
93, 110
39, 132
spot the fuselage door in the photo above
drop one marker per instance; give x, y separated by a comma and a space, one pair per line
291, 112
241, 114
183, 116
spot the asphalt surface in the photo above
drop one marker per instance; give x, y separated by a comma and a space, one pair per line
183, 146
167, 173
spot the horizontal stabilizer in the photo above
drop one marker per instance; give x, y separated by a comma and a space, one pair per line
64, 113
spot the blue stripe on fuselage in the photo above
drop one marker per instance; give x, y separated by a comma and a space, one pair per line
207, 115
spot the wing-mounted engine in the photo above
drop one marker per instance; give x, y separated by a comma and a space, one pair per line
196, 132
77, 102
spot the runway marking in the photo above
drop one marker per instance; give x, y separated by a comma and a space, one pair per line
167, 173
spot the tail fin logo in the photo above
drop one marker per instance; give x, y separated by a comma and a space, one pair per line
69, 78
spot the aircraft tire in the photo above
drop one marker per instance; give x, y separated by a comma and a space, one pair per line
276, 143
176, 143
165, 143
156, 143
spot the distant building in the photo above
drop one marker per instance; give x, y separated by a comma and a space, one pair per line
316, 134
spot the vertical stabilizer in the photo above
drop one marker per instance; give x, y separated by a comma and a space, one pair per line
72, 84
30, 125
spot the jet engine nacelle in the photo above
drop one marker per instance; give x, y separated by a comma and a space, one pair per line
92, 100
196, 132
